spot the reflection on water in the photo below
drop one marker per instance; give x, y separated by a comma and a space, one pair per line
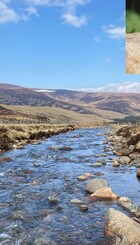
38, 172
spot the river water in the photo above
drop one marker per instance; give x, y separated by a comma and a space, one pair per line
26, 214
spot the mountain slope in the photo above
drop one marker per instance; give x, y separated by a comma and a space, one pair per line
106, 105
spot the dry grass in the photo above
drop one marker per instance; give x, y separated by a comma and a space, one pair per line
16, 134
57, 115
133, 53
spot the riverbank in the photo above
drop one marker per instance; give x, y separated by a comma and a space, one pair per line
16, 136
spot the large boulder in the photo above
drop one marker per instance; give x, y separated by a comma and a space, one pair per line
96, 184
124, 160
118, 224
104, 193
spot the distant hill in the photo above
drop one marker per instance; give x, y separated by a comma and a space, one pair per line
101, 106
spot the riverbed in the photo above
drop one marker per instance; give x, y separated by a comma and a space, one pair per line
43, 170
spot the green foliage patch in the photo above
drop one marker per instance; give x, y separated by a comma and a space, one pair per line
132, 21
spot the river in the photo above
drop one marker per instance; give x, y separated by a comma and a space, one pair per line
28, 217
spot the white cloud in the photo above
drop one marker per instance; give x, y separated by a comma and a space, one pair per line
115, 32
32, 11
75, 20
127, 87
26, 8
6, 13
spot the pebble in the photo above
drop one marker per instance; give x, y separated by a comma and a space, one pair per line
83, 207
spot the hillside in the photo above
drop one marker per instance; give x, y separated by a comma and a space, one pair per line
66, 105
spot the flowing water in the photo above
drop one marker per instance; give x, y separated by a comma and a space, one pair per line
26, 214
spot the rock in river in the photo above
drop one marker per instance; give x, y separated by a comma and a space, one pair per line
138, 173
96, 184
116, 163
76, 201
104, 193
124, 160
118, 224
65, 148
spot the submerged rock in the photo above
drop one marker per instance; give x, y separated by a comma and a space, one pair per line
113, 241
65, 148
96, 184
96, 164
5, 159
118, 224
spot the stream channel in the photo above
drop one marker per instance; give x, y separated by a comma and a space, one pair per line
28, 217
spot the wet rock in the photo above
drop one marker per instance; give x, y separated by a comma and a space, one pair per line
99, 134
99, 173
65, 148
116, 163
84, 176
67, 178
76, 201
113, 241
5, 159
135, 156
103, 154
124, 160
126, 203
83, 207
21, 146
53, 199
53, 148
96, 184
138, 173
102, 161
138, 165
104, 193
118, 224
36, 165
96, 164
44, 240
137, 147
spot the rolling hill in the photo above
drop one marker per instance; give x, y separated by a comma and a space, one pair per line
67, 105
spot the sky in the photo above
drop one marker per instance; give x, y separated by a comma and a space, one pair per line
73, 44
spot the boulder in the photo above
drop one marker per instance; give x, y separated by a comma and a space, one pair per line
96, 184
126, 203
118, 224
124, 160
116, 163
135, 156
138, 146
104, 193
138, 173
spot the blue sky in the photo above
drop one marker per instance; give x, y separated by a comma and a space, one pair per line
63, 43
